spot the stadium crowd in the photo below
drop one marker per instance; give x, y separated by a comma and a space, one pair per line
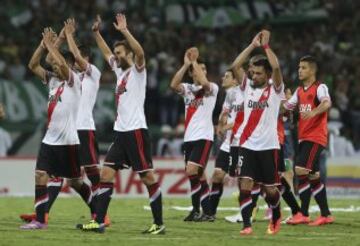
333, 41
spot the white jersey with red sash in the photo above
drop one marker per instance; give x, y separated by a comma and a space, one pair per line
63, 106
199, 108
129, 97
261, 107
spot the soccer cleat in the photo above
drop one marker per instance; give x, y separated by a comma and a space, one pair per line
193, 215
297, 219
34, 225
92, 226
204, 218
246, 231
155, 229
30, 217
274, 228
107, 221
321, 220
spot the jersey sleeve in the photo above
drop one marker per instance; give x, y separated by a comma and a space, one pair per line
93, 72
214, 89
140, 74
229, 99
323, 93
48, 76
185, 89
279, 89
292, 102
74, 79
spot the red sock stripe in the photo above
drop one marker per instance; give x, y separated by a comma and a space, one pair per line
140, 145
92, 147
310, 162
245, 201
106, 185
41, 198
153, 188
205, 153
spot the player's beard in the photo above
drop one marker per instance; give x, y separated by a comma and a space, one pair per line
258, 85
123, 63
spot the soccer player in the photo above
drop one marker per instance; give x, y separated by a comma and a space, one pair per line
199, 98
313, 101
90, 77
231, 116
131, 146
59, 151
258, 134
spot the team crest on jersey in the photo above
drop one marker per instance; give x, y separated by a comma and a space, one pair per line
53, 98
121, 89
194, 103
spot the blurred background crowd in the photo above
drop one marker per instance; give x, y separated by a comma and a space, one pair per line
220, 29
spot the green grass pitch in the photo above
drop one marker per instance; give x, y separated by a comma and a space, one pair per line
129, 219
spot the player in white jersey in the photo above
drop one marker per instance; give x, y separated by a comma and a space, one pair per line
258, 134
199, 98
90, 77
230, 116
59, 151
131, 146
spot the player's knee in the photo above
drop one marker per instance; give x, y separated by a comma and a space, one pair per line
270, 190
218, 176
75, 183
191, 169
107, 174
301, 171
246, 184
148, 178
313, 176
41, 177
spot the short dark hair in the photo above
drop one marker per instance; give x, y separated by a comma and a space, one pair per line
311, 60
263, 62
124, 43
85, 50
256, 58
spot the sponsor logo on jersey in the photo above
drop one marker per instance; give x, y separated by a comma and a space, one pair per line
257, 105
305, 107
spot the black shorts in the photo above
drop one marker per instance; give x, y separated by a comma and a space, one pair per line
89, 149
281, 159
131, 148
197, 151
261, 166
223, 161
59, 160
308, 156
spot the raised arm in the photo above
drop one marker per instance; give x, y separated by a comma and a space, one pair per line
121, 26
59, 40
104, 48
70, 28
58, 59
199, 75
236, 66
276, 71
34, 64
175, 84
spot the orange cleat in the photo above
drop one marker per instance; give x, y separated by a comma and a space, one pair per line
321, 220
30, 217
274, 228
298, 218
107, 221
246, 231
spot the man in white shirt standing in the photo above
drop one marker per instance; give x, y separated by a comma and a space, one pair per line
131, 146
199, 98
